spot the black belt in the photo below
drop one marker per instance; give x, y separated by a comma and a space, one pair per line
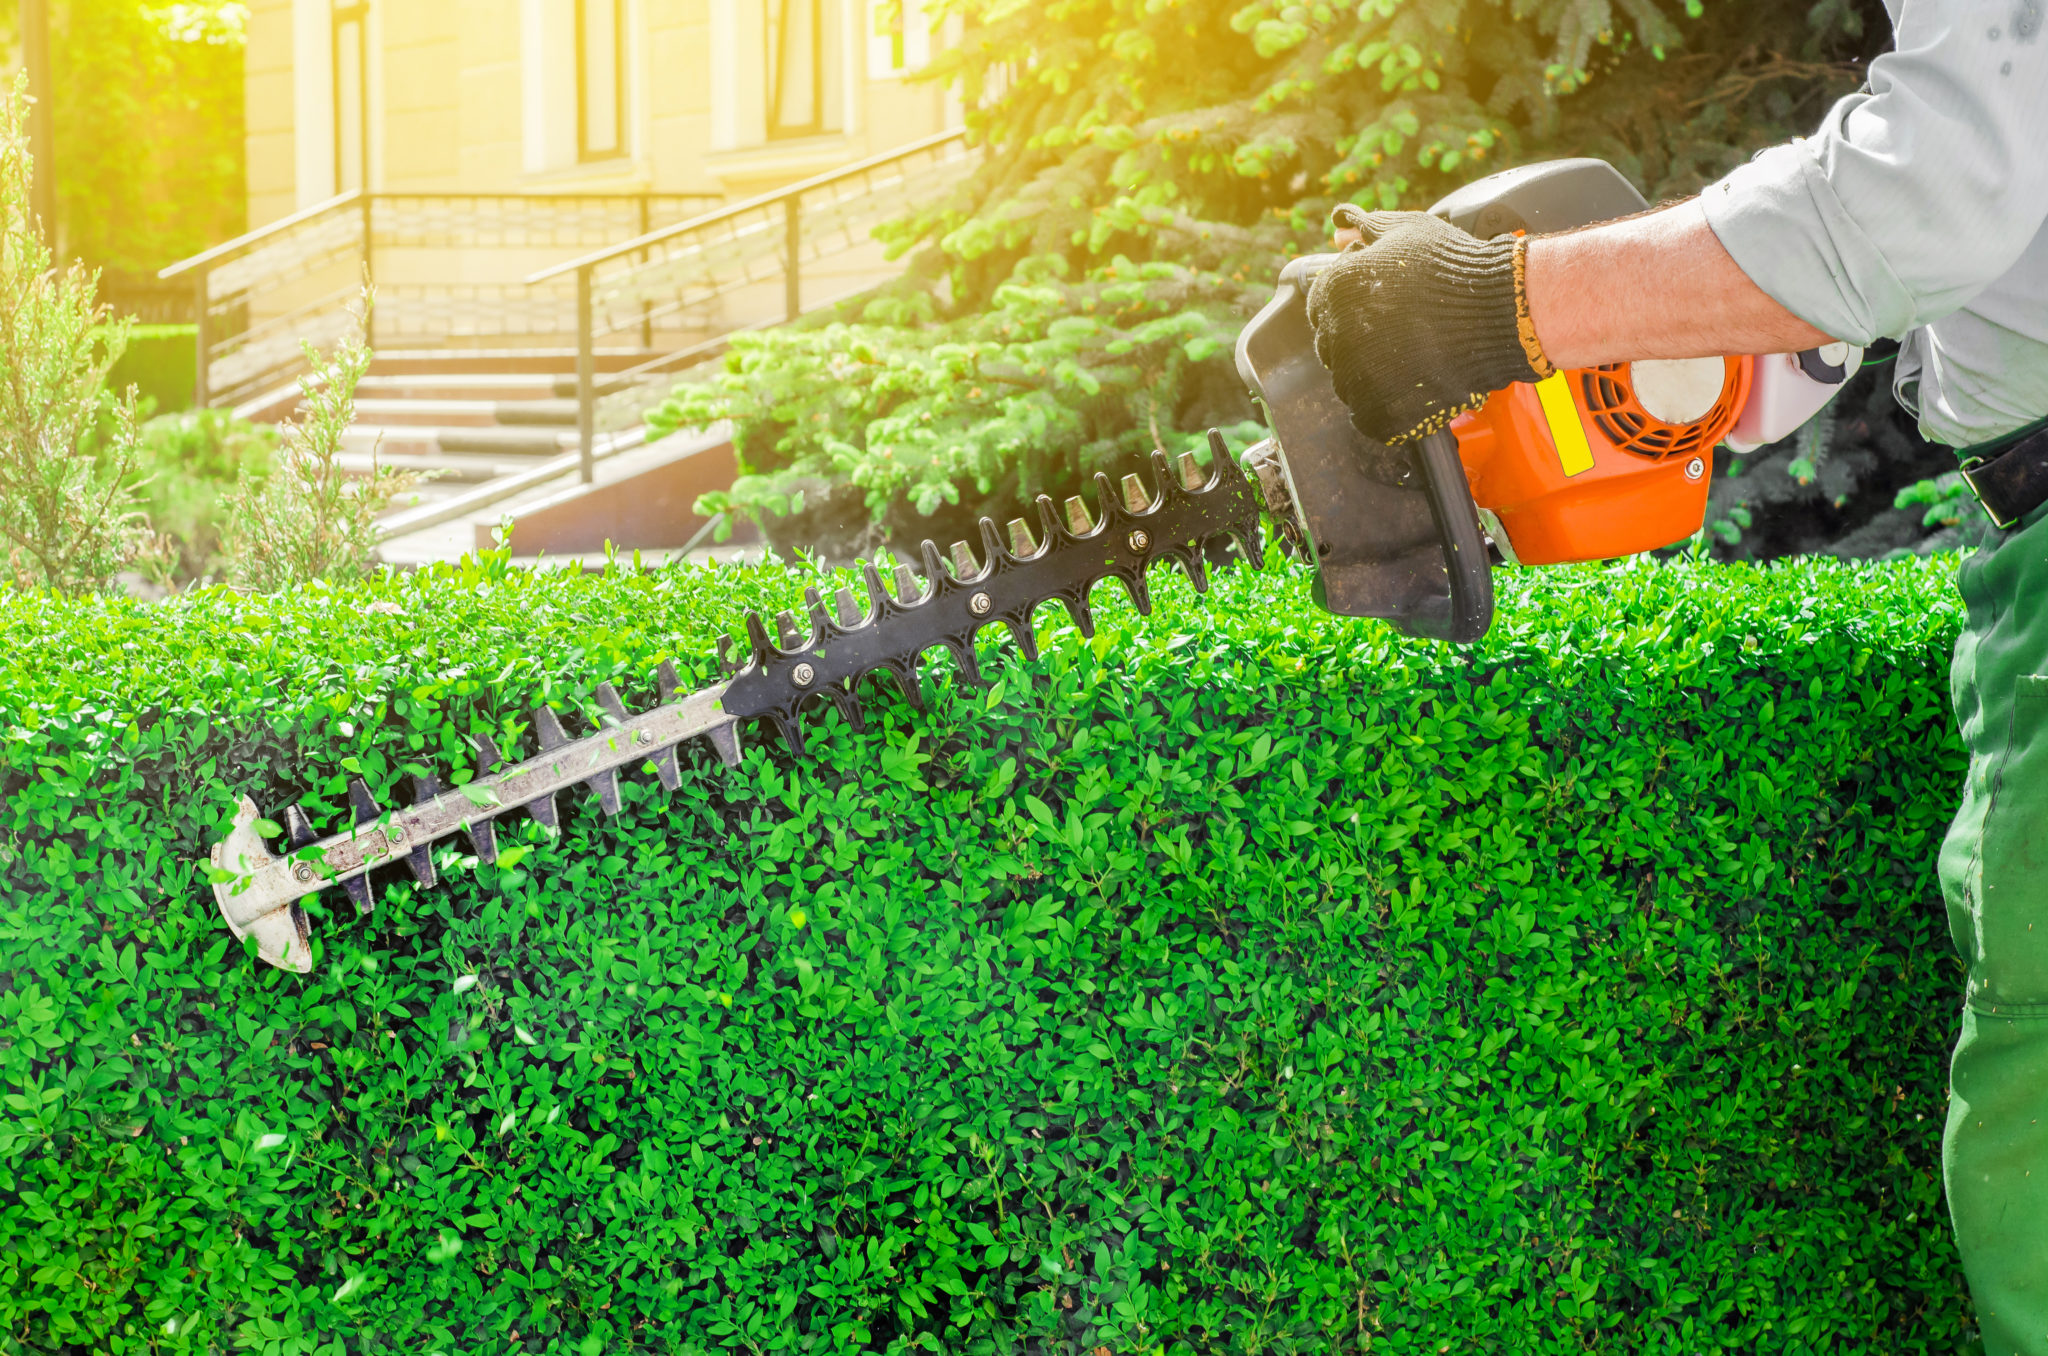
2012, 482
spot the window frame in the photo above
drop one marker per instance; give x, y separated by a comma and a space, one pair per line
342, 13
773, 128
585, 153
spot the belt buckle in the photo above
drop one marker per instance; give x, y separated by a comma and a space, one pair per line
1967, 470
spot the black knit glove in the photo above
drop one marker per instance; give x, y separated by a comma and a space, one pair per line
1419, 322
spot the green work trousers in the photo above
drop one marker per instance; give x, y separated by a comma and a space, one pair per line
1994, 875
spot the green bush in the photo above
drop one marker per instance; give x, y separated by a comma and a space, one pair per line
161, 363
191, 460
1243, 980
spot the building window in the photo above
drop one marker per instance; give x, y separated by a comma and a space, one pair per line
350, 46
600, 79
899, 38
796, 68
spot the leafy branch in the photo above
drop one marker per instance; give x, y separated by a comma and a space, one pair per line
306, 516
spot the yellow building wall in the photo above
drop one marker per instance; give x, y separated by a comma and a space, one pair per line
453, 101
679, 112
423, 73
267, 111
488, 135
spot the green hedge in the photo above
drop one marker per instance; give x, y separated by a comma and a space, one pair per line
161, 362
1245, 980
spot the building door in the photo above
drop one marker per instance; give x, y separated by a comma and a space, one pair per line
351, 48
600, 79
796, 68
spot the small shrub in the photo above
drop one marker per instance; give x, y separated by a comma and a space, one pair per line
68, 514
190, 462
303, 517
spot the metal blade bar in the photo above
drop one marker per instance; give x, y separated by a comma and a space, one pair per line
262, 896
1195, 519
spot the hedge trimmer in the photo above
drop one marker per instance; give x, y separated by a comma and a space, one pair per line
1584, 465
1197, 518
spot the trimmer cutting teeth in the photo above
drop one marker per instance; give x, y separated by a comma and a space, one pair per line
1585, 465
1196, 518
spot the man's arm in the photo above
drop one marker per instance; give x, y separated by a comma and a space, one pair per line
1916, 193
1658, 285
1654, 286
1913, 196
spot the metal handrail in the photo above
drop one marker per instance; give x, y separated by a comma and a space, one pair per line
784, 208
203, 271
242, 243
784, 194
789, 200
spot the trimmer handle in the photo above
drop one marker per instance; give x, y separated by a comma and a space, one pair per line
1466, 560
1391, 532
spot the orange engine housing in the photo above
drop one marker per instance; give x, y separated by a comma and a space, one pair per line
1637, 483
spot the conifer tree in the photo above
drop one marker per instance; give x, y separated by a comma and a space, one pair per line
1150, 165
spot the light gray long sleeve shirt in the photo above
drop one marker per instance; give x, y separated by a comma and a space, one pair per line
1916, 212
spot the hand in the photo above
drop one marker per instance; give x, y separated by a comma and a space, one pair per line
1418, 322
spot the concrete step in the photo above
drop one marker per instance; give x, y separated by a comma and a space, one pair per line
491, 386
558, 413
444, 470
500, 386
640, 498
543, 374
446, 413
387, 413
531, 442
425, 440
388, 443
504, 361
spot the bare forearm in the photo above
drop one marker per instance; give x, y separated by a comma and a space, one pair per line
1654, 286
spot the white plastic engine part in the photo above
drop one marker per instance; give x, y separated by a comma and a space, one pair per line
1677, 390
1788, 389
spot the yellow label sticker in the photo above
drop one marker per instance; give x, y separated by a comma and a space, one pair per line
1574, 453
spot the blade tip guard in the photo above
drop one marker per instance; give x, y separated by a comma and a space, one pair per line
282, 937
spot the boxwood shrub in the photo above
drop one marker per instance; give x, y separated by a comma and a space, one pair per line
1243, 980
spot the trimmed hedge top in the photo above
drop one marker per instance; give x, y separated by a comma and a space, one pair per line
1243, 980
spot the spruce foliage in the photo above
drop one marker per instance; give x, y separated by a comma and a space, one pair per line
1857, 481
1151, 164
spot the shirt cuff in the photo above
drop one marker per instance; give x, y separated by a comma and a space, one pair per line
1781, 222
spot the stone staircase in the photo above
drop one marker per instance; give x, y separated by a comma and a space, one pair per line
462, 428
495, 437
494, 427
463, 419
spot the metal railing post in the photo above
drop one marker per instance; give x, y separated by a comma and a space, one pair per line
200, 393
369, 271
646, 307
792, 282
586, 377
